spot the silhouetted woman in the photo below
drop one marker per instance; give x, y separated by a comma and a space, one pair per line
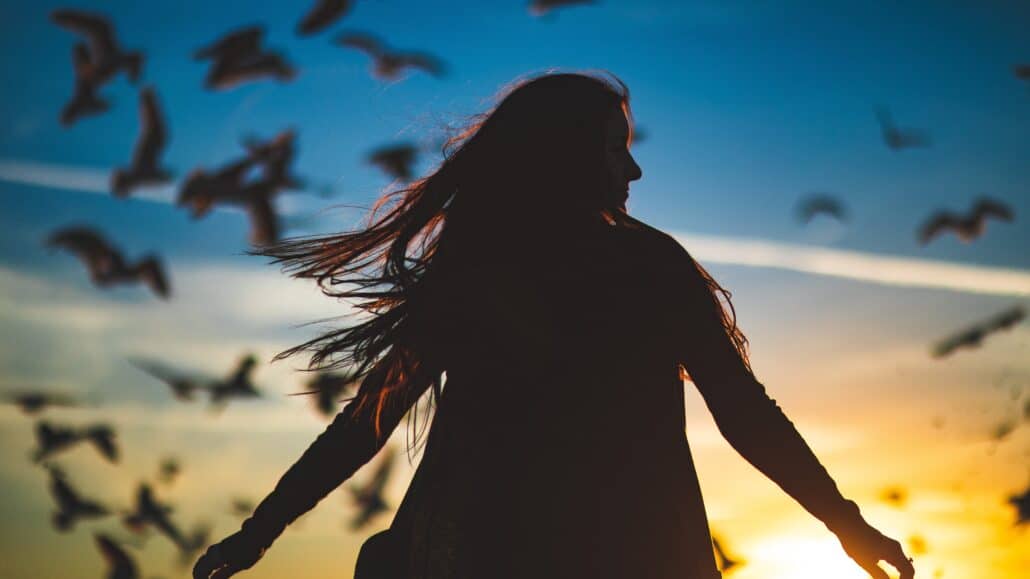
564, 329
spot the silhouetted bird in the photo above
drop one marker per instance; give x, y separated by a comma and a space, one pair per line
119, 564
329, 388
967, 227
238, 385
106, 264
725, 563
149, 512
71, 507
321, 15
182, 386
169, 469
397, 161
541, 7
1022, 504
84, 101
821, 204
1022, 71
34, 402
153, 136
973, 337
106, 57
276, 157
53, 439
368, 498
238, 57
387, 64
241, 507
897, 138
202, 190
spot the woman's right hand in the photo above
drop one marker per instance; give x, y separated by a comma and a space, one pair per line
233, 554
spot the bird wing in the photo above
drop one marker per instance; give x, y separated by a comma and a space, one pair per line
96, 28
424, 61
151, 271
991, 208
937, 223
366, 43
121, 565
264, 223
322, 14
153, 133
232, 46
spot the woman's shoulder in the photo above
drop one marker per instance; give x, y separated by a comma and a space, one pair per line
653, 242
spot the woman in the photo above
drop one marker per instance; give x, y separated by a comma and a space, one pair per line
565, 329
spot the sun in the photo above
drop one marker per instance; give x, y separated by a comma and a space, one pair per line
800, 558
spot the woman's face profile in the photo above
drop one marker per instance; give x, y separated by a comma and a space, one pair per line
619, 163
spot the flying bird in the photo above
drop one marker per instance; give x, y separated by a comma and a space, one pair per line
388, 64
153, 136
168, 471
397, 161
120, 565
328, 388
821, 204
894, 496
36, 401
897, 138
276, 156
85, 101
106, 57
1021, 503
725, 563
71, 507
238, 57
967, 227
541, 7
149, 512
973, 337
321, 15
107, 265
52, 439
182, 386
238, 384
241, 507
368, 498
1022, 71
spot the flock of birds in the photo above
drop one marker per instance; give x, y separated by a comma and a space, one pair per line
251, 182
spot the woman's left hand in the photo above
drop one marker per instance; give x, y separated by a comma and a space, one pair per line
867, 547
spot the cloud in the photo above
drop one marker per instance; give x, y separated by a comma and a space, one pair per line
856, 265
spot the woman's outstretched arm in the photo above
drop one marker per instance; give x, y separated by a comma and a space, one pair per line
350, 441
757, 428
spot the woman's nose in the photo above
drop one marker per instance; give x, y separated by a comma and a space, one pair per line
634, 172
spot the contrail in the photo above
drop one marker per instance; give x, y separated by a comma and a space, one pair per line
861, 266
855, 265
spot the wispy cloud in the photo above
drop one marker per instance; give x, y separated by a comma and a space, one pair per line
856, 265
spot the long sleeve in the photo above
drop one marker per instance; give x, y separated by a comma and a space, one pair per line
749, 419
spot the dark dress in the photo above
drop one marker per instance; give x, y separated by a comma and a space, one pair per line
558, 448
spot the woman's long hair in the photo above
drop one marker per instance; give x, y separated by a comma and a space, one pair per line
537, 154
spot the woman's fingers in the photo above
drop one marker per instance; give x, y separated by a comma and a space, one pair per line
208, 563
899, 561
873, 569
224, 572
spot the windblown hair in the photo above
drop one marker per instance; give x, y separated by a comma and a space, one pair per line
538, 152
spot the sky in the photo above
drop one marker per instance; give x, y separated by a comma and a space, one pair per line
748, 106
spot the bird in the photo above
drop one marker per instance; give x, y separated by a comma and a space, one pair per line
71, 507
52, 439
168, 470
821, 204
328, 388
237, 384
541, 7
1021, 502
241, 507
387, 64
725, 563
106, 265
85, 101
973, 336
106, 57
967, 227
321, 15
145, 168
275, 156
193, 542
119, 564
397, 160
1022, 71
368, 498
897, 138
894, 496
149, 512
238, 57
33, 402
182, 386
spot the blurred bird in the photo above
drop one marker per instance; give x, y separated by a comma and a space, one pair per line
397, 161
153, 137
241, 507
973, 337
368, 498
84, 101
541, 7
238, 57
237, 385
723, 561
967, 227
894, 496
329, 388
71, 507
34, 402
182, 386
106, 57
53, 439
1022, 71
119, 564
897, 138
194, 541
168, 471
149, 512
387, 64
821, 204
321, 15
106, 264
1021, 502
275, 156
